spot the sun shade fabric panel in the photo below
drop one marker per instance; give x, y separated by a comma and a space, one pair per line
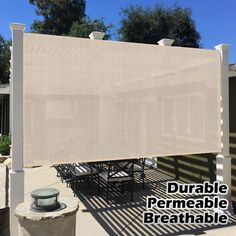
92, 100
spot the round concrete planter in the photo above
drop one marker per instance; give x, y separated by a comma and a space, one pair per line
3, 158
58, 223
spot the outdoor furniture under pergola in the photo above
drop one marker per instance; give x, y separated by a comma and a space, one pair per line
112, 174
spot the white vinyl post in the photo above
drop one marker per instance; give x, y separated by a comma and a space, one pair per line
223, 160
10, 81
16, 119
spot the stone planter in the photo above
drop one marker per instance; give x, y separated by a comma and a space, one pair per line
3, 158
58, 223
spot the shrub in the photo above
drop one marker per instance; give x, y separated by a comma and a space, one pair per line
5, 143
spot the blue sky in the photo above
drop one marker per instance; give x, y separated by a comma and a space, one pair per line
215, 19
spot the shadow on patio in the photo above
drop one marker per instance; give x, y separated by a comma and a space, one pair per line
122, 217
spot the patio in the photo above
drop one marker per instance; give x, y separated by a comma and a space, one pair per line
120, 217
122, 101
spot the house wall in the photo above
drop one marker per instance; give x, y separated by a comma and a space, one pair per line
199, 168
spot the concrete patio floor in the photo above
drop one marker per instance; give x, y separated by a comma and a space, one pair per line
120, 217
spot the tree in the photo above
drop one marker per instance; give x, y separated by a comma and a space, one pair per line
5, 56
84, 28
58, 15
149, 25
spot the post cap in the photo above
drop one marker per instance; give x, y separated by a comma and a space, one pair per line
17, 26
166, 42
223, 46
97, 35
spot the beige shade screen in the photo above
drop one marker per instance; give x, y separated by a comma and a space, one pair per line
90, 100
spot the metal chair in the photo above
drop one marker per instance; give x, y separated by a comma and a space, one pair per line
83, 170
64, 173
139, 166
117, 173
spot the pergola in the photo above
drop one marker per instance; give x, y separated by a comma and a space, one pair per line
121, 100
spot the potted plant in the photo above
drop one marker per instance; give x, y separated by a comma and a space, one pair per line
5, 146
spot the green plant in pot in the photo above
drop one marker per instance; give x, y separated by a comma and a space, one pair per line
5, 142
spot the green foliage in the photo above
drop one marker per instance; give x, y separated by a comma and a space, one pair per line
5, 143
87, 25
5, 56
149, 25
58, 15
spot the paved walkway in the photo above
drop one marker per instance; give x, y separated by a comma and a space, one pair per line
121, 217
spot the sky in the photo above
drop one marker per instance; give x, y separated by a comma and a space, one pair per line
215, 19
